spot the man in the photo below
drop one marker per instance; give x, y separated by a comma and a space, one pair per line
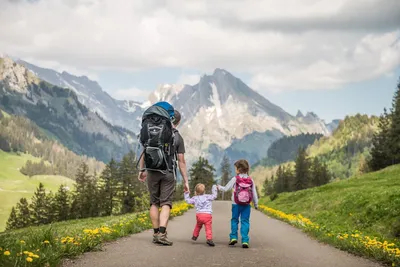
162, 187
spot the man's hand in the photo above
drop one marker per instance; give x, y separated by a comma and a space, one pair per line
142, 176
186, 187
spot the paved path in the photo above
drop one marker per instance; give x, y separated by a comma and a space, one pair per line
272, 243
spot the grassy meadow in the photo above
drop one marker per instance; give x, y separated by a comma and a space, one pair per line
14, 185
359, 214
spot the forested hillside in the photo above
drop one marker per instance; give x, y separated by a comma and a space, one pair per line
19, 134
58, 111
347, 151
285, 149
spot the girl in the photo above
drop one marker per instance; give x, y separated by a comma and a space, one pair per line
203, 204
243, 194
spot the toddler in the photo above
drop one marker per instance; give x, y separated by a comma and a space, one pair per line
203, 204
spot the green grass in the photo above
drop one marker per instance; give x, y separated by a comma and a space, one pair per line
369, 204
49, 244
14, 185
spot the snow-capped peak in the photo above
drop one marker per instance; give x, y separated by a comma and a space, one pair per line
165, 92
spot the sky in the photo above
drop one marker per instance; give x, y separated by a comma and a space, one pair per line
331, 57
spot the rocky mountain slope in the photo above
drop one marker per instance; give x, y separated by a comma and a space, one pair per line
60, 113
124, 113
221, 114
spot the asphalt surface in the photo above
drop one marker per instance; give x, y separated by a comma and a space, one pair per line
272, 243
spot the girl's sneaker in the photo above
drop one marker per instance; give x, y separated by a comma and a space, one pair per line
232, 242
210, 243
194, 238
245, 245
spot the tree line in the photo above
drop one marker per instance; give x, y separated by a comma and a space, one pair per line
308, 172
18, 134
285, 149
115, 191
386, 142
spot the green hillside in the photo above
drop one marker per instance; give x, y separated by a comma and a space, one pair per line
347, 149
368, 203
345, 152
14, 185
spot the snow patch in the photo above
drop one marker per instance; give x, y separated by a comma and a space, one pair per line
215, 100
145, 104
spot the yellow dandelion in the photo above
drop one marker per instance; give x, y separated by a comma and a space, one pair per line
46, 242
7, 253
29, 259
22, 242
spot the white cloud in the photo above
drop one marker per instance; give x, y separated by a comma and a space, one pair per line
130, 94
190, 79
283, 44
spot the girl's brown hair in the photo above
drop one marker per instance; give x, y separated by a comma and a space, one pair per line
242, 166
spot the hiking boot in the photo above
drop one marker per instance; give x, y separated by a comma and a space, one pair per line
232, 242
155, 238
210, 243
194, 238
245, 245
163, 239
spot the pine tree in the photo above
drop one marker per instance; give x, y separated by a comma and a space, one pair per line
39, 206
270, 188
394, 133
302, 170
315, 173
109, 187
51, 208
12, 222
202, 172
381, 142
130, 187
92, 198
225, 176
278, 185
23, 213
287, 179
266, 186
82, 207
61, 204
325, 175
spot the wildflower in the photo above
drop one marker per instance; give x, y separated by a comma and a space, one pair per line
22, 242
29, 259
46, 242
7, 253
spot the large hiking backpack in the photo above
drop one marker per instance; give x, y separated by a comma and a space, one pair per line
243, 194
157, 137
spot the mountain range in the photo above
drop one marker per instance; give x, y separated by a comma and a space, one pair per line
60, 113
221, 115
